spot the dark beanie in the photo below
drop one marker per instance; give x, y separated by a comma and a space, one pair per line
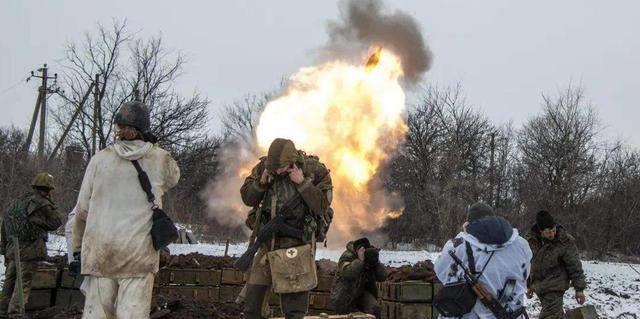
544, 220
362, 242
479, 210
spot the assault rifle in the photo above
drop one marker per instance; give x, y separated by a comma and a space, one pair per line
275, 226
488, 300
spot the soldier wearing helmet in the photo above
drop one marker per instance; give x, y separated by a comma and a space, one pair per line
26, 221
111, 240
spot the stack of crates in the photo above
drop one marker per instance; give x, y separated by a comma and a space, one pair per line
216, 285
68, 293
408, 299
319, 299
43, 288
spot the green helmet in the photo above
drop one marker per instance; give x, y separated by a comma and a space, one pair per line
43, 180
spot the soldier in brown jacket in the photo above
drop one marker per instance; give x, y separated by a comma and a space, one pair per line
283, 174
27, 221
555, 266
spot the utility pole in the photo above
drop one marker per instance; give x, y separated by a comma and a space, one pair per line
96, 113
41, 107
492, 170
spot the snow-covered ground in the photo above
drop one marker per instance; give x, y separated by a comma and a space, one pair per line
614, 288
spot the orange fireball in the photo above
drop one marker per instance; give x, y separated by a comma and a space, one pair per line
350, 116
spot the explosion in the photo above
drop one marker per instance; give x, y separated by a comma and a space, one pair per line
351, 117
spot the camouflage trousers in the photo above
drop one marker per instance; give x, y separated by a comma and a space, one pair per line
8, 298
551, 306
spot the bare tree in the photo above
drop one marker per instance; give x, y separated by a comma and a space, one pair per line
559, 156
128, 66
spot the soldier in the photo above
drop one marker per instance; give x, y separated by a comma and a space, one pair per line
495, 253
354, 286
27, 220
555, 266
274, 181
111, 234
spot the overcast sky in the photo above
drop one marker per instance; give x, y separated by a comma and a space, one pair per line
504, 53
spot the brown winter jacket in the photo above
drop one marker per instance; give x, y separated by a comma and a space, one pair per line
556, 264
43, 216
352, 278
315, 191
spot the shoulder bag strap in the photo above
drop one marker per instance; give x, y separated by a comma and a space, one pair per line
145, 183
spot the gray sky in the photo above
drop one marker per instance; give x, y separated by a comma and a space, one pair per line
504, 53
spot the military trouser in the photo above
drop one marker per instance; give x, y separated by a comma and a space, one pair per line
8, 299
366, 303
294, 306
551, 305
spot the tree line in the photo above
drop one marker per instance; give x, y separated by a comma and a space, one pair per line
453, 154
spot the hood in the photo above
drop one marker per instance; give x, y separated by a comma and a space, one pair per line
132, 150
490, 233
350, 247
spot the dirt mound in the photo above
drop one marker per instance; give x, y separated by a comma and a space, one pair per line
422, 270
326, 267
179, 307
200, 261
75, 312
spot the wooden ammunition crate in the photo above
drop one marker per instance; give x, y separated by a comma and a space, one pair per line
350, 316
197, 293
232, 276
324, 283
408, 291
190, 277
69, 281
45, 278
229, 293
397, 310
585, 312
69, 297
40, 299
320, 300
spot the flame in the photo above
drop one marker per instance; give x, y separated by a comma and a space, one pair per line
351, 117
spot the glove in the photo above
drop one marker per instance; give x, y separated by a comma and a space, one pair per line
371, 256
75, 265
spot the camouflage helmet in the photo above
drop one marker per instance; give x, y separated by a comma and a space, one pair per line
134, 114
281, 152
44, 180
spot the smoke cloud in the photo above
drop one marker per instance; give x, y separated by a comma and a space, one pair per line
364, 23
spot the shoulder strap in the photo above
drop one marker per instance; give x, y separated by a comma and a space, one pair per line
144, 182
472, 260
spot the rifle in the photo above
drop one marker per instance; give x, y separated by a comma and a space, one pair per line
19, 283
271, 228
487, 299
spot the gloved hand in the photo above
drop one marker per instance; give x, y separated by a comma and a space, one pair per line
75, 265
371, 256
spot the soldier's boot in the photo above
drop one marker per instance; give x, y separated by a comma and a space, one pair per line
295, 305
369, 304
551, 306
254, 297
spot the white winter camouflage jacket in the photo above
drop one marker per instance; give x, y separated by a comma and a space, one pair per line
113, 218
511, 260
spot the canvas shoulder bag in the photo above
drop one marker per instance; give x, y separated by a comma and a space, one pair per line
163, 230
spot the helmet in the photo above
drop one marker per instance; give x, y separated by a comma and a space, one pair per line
134, 114
282, 152
44, 180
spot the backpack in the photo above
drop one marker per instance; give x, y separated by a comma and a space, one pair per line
458, 298
321, 223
